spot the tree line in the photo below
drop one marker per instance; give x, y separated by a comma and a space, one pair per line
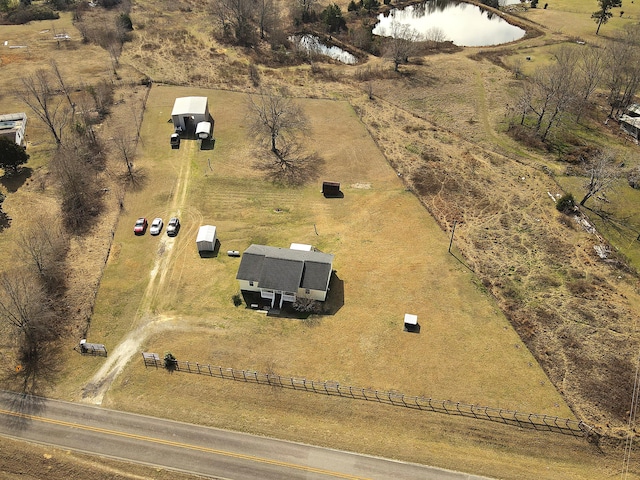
35, 307
565, 88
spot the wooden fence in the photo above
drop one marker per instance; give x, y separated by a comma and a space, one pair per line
535, 421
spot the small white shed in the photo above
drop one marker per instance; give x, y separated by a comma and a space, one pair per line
206, 239
188, 112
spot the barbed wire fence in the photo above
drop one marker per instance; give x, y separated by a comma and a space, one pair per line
534, 421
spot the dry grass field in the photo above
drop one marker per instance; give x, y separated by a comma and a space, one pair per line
431, 138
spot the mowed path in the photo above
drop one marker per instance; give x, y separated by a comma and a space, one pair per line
145, 322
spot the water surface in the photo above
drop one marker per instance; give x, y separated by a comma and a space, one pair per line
464, 24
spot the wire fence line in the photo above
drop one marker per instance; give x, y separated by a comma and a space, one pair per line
534, 421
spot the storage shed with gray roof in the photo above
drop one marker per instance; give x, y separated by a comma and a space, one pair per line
284, 274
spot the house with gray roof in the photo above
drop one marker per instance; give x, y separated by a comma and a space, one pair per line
285, 274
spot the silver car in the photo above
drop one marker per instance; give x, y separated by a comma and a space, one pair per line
156, 226
173, 226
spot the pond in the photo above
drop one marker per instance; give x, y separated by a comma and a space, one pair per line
312, 44
464, 24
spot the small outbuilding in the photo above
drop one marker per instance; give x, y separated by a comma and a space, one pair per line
411, 323
630, 121
13, 126
206, 239
189, 112
331, 190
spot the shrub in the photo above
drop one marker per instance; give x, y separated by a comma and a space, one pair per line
633, 178
566, 204
124, 22
33, 12
237, 300
352, 7
307, 305
170, 362
61, 4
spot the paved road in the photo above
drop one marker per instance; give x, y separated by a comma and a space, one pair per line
192, 448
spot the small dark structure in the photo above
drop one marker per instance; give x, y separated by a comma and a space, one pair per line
95, 349
331, 190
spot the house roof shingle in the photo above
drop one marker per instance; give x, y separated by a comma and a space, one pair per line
285, 269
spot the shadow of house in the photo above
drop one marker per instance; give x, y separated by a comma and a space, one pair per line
335, 296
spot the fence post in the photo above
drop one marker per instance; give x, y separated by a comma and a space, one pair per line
255, 375
198, 367
364, 395
188, 367
209, 366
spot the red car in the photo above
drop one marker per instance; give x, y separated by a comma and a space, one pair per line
141, 226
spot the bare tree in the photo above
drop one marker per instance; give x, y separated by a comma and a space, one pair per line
39, 94
603, 173
291, 166
401, 43
551, 92
126, 148
63, 85
276, 118
304, 10
591, 70
237, 19
81, 200
590, 73
623, 69
25, 309
267, 16
43, 248
435, 36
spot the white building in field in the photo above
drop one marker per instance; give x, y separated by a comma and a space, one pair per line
285, 274
189, 112
13, 126
630, 121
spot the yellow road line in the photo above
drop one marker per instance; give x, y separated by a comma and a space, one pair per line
182, 445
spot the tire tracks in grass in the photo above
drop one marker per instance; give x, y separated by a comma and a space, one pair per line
146, 321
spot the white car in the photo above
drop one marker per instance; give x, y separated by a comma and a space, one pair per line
156, 226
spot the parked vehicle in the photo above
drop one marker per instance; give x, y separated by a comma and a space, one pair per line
175, 140
156, 226
173, 226
140, 226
